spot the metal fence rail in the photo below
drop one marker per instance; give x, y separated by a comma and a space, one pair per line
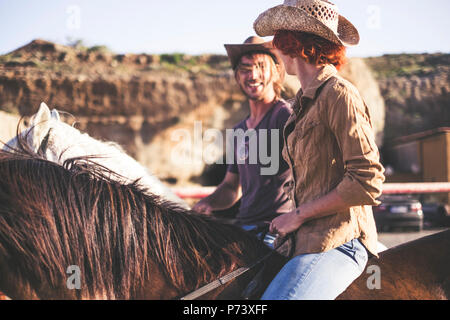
416, 187
388, 188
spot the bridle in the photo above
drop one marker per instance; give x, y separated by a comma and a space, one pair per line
44, 144
235, 274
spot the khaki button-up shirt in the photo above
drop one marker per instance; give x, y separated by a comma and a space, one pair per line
330, 144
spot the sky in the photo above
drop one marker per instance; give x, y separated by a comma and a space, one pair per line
203, 26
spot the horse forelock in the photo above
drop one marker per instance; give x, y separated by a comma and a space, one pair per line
52, 217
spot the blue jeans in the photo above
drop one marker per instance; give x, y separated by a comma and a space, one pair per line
319, 276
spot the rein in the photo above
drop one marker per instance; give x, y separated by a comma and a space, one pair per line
44, 144
232, 275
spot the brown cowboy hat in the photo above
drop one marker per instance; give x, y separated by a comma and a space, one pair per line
253, 45
318, 17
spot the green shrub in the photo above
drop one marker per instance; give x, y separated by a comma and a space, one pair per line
99, 48
174, 58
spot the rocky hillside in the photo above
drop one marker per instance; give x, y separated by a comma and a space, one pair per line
150, 103
135, 100
416, 91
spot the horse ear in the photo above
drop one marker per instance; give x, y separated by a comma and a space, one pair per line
55, 115
40, 124
42, 115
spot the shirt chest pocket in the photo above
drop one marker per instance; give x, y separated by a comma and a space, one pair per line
304, 141
306, 129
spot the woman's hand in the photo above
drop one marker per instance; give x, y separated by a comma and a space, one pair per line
286, 223
203, 207
326, 205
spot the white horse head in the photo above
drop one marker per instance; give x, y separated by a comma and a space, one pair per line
58, 141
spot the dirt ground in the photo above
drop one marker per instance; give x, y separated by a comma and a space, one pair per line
392, 239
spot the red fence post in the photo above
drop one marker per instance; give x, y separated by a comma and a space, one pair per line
388, 188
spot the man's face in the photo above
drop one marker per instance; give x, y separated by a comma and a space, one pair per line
254, 76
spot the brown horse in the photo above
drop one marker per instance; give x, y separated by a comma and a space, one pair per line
418, 270
128, 244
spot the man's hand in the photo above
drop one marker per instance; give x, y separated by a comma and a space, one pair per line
203, 207
226, 194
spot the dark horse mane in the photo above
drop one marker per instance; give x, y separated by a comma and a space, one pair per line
53, 216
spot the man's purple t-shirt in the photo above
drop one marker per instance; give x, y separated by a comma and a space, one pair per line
263, 197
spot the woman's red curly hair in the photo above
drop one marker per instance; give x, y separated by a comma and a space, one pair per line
314, 49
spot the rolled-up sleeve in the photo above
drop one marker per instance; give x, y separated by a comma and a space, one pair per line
349, 120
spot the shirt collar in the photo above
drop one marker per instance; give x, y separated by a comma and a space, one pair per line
325, 73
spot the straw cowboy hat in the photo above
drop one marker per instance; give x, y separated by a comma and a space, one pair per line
253, 45
318, 17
